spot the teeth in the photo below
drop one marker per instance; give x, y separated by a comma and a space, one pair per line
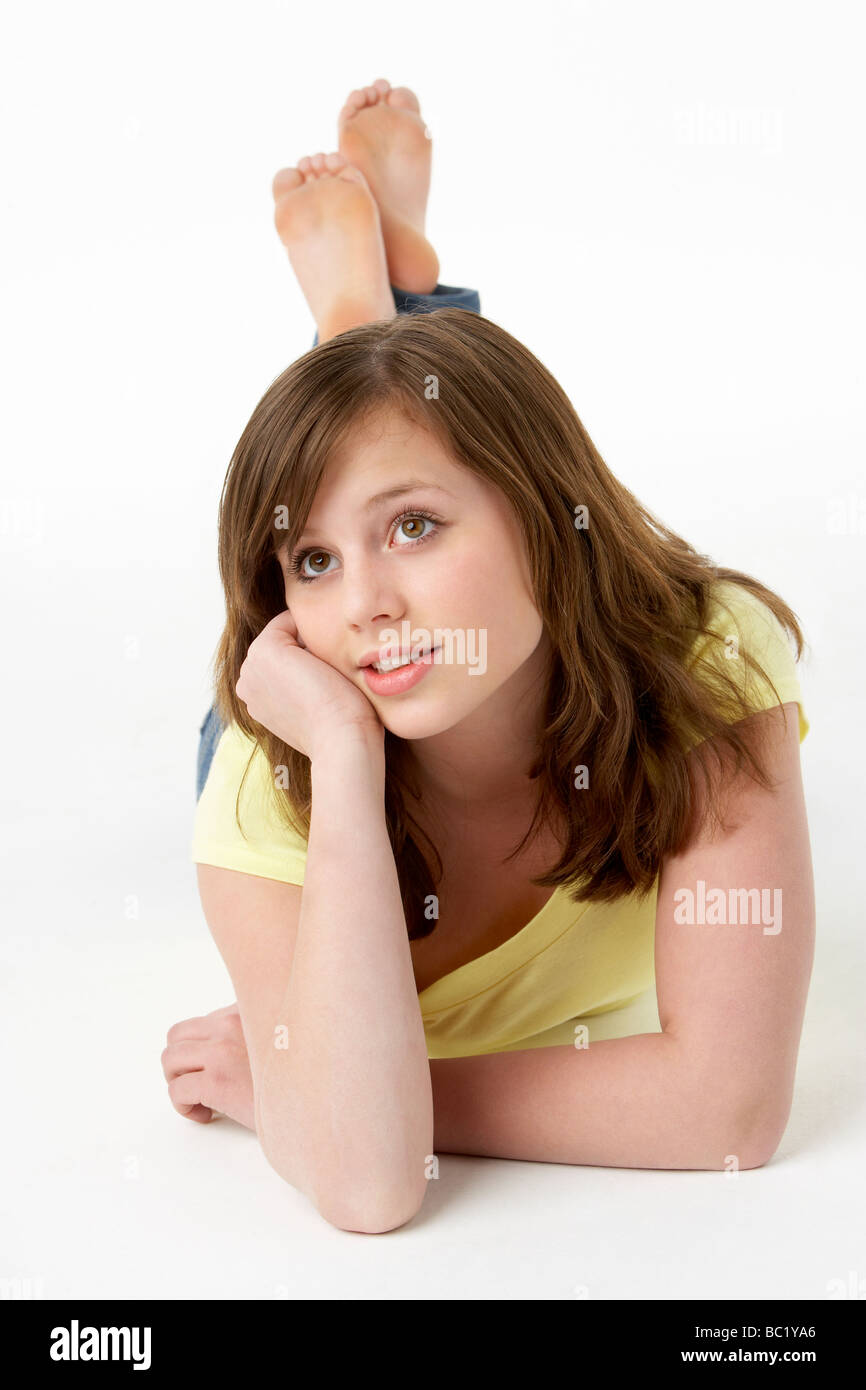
394, 663
390, 665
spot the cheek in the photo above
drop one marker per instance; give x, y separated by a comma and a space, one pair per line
486, 594
312, 629
494, 598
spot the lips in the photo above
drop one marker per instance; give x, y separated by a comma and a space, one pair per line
400, 679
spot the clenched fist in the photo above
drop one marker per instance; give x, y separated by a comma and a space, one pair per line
207, 1068
303, 700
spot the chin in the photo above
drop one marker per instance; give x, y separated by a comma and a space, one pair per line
419, 722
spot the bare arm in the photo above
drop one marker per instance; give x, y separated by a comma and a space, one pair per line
718, 1080
345, 1111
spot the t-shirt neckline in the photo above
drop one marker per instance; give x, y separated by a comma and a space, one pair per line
491, 968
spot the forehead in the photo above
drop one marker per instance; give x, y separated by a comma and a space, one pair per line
384, 451
384, 436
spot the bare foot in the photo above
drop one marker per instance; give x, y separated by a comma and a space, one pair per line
328, 221
382, 132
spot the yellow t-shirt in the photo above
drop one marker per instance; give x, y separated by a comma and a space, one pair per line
573, 964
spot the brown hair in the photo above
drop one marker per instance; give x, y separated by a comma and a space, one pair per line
624, 599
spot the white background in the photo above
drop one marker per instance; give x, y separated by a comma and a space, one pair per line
665, 203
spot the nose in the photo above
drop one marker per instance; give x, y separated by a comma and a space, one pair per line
370, 600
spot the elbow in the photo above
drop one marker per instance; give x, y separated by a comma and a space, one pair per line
370, 1217
369, 1207
755, 1131
758, 1146
367, 1213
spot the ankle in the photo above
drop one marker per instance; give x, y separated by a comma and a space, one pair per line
351, 313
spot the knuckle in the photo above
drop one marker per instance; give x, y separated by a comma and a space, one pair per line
177, 1031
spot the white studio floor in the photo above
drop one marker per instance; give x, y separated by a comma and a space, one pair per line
108, 1193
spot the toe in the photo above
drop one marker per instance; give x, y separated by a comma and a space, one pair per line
285, 180
404, 97
334, 162
354, 101
352, 174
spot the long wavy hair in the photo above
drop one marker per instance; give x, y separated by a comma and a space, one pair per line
623, 599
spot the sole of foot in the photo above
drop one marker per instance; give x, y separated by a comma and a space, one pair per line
381, 131
327, 219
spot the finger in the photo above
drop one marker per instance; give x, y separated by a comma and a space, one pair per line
284, 622
227, 1009
199, 1027
189, 1055
225, 1012
189, 1028
200, 1113
185, 1095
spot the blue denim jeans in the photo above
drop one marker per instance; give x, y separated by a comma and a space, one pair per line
442, 297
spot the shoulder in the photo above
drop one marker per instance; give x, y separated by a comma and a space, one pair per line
745, 635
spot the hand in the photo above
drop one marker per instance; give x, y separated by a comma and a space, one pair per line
207, 1068
303, 700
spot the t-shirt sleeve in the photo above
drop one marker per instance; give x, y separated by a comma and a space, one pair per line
740, 623
267, 847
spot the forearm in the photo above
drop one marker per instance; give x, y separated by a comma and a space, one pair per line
346, 1108
621, 1103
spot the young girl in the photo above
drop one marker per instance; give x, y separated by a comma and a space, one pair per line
501, 830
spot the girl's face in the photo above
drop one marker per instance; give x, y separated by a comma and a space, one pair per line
442, 564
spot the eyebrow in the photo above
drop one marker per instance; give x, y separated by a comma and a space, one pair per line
398, 491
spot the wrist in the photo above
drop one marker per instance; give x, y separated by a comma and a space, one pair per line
352, 745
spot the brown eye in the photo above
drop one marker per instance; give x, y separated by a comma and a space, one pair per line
418, 520
299, 561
